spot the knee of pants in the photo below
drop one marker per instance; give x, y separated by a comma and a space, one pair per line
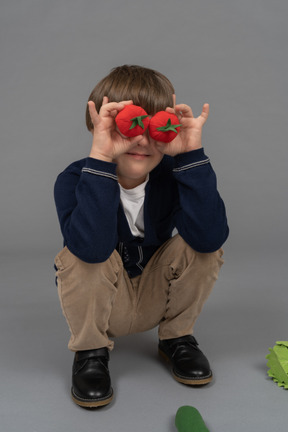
208, 263
186, 258
73, 271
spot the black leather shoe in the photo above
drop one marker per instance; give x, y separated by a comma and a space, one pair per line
189, 364
91, 384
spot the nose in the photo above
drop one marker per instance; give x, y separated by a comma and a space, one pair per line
145, 139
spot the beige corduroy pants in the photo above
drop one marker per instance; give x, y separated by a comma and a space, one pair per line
100, 301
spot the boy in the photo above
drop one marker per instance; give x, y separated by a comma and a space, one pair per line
121, 271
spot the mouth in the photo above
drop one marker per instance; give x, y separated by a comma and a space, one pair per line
137, 155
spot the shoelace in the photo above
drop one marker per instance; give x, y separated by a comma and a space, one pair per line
183, 345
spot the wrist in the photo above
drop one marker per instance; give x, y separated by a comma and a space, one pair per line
99, 156
193, 147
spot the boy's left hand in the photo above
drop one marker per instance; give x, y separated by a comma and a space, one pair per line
189, 137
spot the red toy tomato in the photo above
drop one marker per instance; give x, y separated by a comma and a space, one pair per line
164, 126
132, 120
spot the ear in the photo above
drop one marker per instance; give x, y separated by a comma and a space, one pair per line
174, 99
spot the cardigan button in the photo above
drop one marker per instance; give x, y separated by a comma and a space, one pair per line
126, 258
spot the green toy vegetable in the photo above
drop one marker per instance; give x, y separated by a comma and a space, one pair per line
188, 419
278, 363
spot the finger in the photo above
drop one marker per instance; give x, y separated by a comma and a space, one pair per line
124, 103
110, 108
127, 102
170, 110
93, 112
114, 113
173, 111
105, 100
174, 99
184, 110
205, 112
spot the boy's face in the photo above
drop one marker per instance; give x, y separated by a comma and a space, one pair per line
133, 166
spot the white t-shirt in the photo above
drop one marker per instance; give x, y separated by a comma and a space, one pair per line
133, 203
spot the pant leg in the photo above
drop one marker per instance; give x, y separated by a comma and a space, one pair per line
100, 301
87, 294
174, 287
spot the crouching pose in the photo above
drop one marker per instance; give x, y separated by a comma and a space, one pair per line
122, 270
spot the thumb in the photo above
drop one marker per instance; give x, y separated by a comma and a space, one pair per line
93, 113
205, 113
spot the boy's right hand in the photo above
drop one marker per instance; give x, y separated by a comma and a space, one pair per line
108, 143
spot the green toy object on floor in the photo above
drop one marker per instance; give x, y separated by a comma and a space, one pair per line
188, 419
278, 363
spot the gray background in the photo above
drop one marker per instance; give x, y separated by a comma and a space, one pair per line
230, 54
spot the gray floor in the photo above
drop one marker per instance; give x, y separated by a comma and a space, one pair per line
244, 316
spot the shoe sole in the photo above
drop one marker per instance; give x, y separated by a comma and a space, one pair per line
186, 380
91, 403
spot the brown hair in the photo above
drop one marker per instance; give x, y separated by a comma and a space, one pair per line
146, 87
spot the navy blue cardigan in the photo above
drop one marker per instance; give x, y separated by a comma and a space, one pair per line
181, 193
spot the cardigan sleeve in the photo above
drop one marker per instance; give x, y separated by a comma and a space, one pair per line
87, 198
201, 216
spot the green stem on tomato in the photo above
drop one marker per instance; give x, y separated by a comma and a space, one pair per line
137, 121
168, 127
